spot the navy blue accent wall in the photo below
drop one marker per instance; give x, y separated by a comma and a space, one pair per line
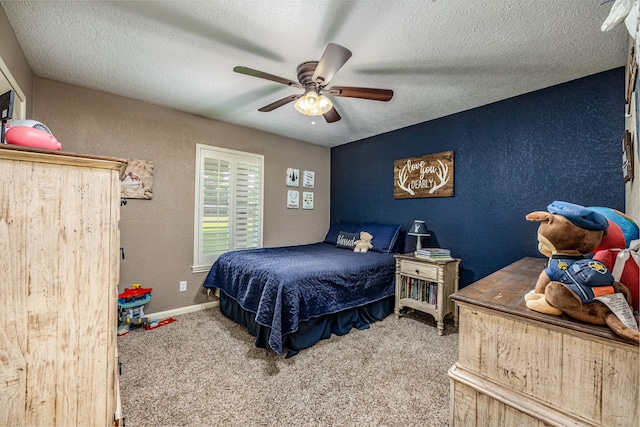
511, 157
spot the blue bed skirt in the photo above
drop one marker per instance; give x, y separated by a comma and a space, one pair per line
309, 331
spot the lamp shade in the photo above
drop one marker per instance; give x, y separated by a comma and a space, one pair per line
418, 228
312, 104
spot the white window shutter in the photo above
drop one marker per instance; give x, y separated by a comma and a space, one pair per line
247, 203
216, 206
228, 211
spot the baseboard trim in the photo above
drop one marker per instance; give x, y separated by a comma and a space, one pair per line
183, 310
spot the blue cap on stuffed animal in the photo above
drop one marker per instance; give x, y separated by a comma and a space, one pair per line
579, 215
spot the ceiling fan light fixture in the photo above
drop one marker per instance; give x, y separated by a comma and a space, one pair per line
312, 104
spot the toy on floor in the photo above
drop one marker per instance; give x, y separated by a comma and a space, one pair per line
156, 323
131, 308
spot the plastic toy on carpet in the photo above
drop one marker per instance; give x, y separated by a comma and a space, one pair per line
156, 323
131, 308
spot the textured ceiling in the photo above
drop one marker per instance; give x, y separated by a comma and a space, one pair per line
438, 56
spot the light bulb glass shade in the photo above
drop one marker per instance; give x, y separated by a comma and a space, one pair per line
312, 104
419, 228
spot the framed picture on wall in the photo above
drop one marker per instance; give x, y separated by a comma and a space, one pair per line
137, 180
293, 177
293, 199
308, 179
430, 175
627, 156
631, 80
637, 101
307, 200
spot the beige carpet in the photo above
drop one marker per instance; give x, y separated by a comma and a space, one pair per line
204, 370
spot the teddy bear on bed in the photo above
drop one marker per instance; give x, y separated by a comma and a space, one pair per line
571, 283
364, 243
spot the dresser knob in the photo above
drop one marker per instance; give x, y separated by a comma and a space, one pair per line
417, 271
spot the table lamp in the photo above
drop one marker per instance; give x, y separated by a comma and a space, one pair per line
418, 229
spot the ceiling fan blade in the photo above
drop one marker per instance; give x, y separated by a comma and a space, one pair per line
279, 103
333, 58
361, 92
331, 116
267, 76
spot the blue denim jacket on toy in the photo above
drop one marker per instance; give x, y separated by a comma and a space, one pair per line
587, 278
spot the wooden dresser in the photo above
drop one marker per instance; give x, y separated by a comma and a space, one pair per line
60, 263
517, 367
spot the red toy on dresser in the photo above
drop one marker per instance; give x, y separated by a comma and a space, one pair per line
30, 133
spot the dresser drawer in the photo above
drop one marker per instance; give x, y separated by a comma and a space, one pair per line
419, 270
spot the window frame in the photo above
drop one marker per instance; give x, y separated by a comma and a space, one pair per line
202, 262
7, 82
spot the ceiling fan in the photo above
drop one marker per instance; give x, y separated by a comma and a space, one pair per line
313, 77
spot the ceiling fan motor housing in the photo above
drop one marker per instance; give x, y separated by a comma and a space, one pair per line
305, 73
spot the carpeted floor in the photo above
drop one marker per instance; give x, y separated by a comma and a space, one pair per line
204, 370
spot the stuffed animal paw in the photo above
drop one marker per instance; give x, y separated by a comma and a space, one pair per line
537, 302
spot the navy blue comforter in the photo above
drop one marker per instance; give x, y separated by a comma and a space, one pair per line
287, 285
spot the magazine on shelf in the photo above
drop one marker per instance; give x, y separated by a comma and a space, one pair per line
433, 251
428, 258
434, 254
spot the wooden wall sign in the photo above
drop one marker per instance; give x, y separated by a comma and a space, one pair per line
425, 176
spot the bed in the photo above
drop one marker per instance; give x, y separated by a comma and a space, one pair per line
291, 297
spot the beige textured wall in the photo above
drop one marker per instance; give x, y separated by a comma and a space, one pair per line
12, 55
157, 234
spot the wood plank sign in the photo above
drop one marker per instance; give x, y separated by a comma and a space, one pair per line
425, 176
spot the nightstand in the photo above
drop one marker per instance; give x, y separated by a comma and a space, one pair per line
425, 285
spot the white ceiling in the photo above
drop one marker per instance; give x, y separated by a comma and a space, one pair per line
438, 56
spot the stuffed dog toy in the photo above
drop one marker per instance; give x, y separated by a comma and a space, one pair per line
572, 283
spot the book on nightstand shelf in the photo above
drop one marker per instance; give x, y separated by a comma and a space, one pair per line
434, 254
419, 290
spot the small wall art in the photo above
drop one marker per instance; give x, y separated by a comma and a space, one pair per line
631, 80
425, 176
308, 179
293, 199
293, 177
307, 200
137, 180
627, 156
636, 92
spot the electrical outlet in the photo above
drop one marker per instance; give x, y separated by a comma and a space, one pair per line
183, 286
